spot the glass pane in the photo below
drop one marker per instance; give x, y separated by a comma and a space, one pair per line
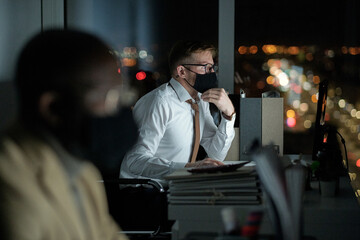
143, 31
290, 47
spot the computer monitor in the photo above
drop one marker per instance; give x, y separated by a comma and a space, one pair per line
320, 119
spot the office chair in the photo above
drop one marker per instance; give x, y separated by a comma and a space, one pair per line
141, 212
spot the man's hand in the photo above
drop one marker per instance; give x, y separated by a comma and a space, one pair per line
205, 162
220, 98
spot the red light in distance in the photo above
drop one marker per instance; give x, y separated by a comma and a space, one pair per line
358, 163
140, 75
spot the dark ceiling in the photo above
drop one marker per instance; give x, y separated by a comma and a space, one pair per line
299, 22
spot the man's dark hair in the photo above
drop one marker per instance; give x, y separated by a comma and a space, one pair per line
184, 48
56, 60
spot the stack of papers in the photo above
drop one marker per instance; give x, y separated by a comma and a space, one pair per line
236, 187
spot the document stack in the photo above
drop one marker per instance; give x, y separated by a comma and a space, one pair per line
232, 184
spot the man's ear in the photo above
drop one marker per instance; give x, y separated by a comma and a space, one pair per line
46, 102
180, 71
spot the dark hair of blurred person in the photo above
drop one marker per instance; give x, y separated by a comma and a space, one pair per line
68, 87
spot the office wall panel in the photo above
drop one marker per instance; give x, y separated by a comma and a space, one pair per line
19, 20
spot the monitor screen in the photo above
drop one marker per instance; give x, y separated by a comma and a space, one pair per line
320, 118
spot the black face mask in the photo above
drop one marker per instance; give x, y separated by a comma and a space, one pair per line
105, 140
109, 139
204, 82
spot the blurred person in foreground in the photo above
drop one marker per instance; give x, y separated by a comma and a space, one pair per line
68, 87
166, 119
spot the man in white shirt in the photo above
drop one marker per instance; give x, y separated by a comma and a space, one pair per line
166, 120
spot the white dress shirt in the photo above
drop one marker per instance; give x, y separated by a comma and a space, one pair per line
166, 133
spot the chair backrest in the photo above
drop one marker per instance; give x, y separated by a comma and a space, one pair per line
140, 209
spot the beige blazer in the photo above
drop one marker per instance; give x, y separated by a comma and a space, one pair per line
37, 200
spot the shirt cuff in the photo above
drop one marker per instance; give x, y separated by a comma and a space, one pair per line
227, 126
177, 165
229, 118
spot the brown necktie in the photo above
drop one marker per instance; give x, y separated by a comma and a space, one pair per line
195, 107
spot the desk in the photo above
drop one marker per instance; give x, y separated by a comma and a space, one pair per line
324, 218
332, 218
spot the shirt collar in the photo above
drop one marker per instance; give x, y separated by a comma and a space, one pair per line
180, 91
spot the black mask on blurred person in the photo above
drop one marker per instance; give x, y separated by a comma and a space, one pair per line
109, 139
204, 82
104, 140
